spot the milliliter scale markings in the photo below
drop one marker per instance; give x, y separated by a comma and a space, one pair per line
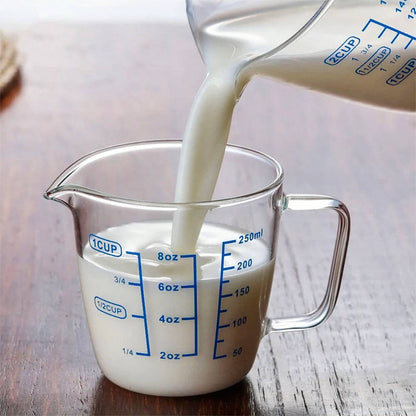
385, 28
143, 316
222, 296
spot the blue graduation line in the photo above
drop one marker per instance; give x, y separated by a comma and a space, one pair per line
220, 297
144, 316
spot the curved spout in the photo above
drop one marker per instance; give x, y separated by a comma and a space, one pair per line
74, 180
65, 186
60, 194
60, 190
87, 176
66, 193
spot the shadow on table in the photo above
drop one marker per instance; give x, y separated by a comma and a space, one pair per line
237, 400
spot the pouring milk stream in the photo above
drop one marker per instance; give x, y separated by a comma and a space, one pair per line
179, 307
361, 50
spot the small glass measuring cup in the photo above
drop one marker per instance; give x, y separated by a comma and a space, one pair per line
176, 324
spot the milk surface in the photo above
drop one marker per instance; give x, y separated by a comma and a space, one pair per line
146, 338
343, 54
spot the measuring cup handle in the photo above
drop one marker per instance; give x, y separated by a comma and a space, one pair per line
316, 317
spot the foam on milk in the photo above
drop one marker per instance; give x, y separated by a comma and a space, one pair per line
117, 337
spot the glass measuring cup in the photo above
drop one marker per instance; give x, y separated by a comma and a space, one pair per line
176, 324
362, 50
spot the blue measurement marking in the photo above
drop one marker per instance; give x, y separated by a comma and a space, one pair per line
376, 59
221, 296
195, 315
227, 295
403, 73
387, 27
144, 316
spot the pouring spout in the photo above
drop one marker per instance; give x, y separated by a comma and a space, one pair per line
64, 187
62, 194
71, 182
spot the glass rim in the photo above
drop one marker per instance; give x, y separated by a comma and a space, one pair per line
59, 187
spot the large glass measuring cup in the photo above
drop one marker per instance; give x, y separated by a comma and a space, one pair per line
169, 323
359, 49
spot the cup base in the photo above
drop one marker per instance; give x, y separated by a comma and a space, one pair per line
175, 390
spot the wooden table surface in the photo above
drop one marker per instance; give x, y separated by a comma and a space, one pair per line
84, 87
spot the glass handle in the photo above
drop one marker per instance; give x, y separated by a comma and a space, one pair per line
316, 317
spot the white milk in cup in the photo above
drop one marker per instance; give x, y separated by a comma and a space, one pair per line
176, 265
174, 322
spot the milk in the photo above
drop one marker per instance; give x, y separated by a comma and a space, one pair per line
304, 60
201, 156
156, 314
237, 47
169, 352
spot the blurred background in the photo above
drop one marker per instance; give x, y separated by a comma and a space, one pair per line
23, 12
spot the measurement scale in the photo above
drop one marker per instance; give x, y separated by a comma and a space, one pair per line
167, 308
383, 58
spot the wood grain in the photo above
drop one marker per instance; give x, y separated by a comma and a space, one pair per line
84, 87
